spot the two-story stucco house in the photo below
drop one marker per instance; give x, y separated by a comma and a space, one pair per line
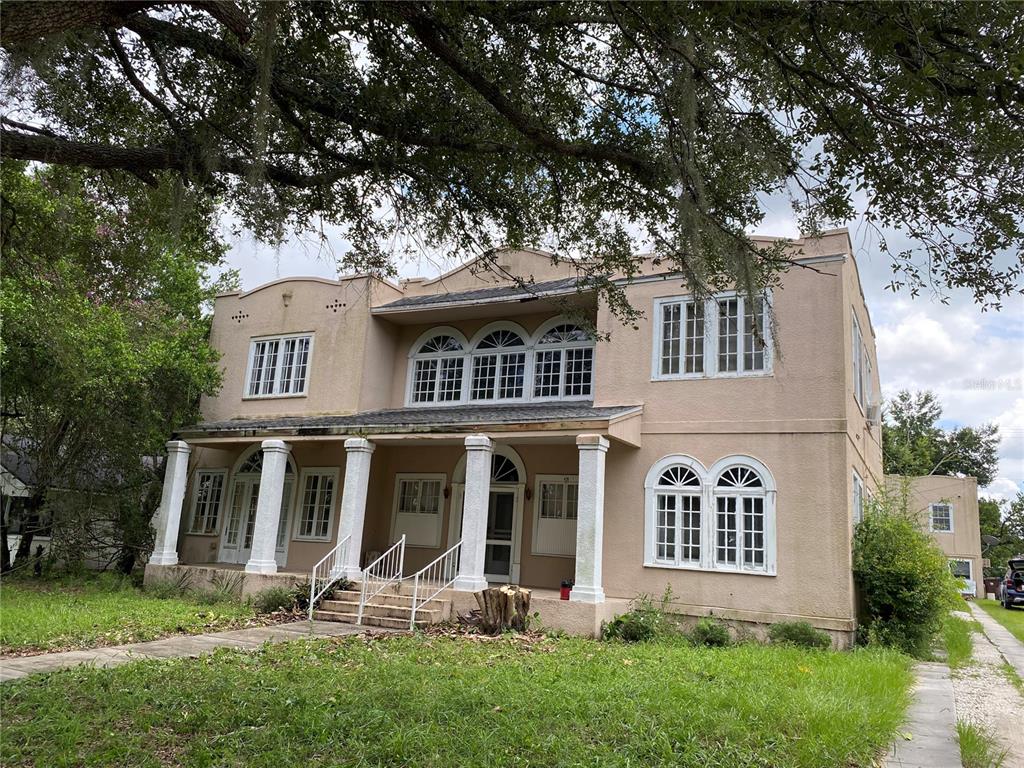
464, 413
947, 509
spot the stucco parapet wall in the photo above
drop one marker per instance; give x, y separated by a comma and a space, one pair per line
764, 426
568, 417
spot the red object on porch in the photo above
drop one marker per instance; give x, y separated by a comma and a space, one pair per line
565, 592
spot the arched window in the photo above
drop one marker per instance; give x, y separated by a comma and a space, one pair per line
677, 510
499, 366
563, 363
503, 469
741, 517
438, 368
717, 519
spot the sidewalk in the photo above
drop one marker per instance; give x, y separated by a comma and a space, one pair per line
176, 647
931, 724
1008, 645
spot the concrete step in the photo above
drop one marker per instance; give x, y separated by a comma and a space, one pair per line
429, 614
388, 597
368, 621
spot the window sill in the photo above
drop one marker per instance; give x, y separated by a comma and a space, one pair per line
209, 535
935, 531
702, 569
313, 539
713, 377
273, 397
535, 553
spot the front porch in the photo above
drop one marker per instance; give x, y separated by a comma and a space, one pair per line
524, 508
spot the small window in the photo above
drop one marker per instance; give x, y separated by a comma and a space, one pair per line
316, 504
278, 366
960, 568
941, 518
554, 525
206, 505
418, 509
858, 498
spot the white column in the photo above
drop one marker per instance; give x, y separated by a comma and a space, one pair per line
353, 502
590, 520
268, 508
476, 499
165, 549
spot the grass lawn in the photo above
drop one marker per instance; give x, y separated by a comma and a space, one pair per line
956, 637
439, 701
58, 615
1012, 619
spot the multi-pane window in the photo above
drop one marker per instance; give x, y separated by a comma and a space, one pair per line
418, 505
554, 530
961, 569
718, 337
563, 363
858, 363
726, 525
209, 494
678, 521
858, 498
941, 517
279, 366
316, 503
437, 370
499, 367
728, 334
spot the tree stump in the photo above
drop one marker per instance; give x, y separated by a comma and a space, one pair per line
503, 608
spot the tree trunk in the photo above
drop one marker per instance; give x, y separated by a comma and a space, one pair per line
5, 551
504, 608
29, 525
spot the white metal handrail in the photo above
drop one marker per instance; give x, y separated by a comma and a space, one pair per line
381, 573
326, 572
433, 579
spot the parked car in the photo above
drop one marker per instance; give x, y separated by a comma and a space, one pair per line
1011, 591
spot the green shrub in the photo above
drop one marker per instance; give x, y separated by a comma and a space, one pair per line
903, 580
167, 589
212, 595
708, 631
643, 622
274, 599
799, 633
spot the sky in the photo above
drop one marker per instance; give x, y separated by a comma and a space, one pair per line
972, 360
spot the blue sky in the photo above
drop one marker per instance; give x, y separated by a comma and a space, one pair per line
973, 360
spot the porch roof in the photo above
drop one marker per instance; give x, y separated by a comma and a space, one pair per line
463, 419
498, 293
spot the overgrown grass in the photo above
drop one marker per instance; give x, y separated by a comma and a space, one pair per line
1012, 619
432, 701
956, 637
104, 610
978, 748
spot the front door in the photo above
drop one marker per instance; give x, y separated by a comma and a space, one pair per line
237, 546
504, 530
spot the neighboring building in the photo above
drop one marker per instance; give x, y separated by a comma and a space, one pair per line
682, 453
948, 509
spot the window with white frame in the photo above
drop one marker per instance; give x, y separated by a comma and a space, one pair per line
438, 370
858, 363
961, 569
727, 524
858, 498
278, 366
554, 520
418, 509
677, 522
207, 500
723, 336
563, 363
499, 367
316, 504
941, 516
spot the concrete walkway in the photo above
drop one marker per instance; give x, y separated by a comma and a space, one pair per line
931, 724
177, 646
1008, 645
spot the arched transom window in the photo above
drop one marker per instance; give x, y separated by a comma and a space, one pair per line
718, 519
504, 363
438, 370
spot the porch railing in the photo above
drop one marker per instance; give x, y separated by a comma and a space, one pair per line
381, 573
430, 581
326, 572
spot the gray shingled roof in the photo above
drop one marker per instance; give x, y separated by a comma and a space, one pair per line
418, 419
498, 293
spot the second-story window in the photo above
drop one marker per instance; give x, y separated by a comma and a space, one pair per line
499, 367
724, 336
278, 366
563, 363
437, 375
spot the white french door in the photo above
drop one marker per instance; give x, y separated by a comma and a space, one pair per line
241, 523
